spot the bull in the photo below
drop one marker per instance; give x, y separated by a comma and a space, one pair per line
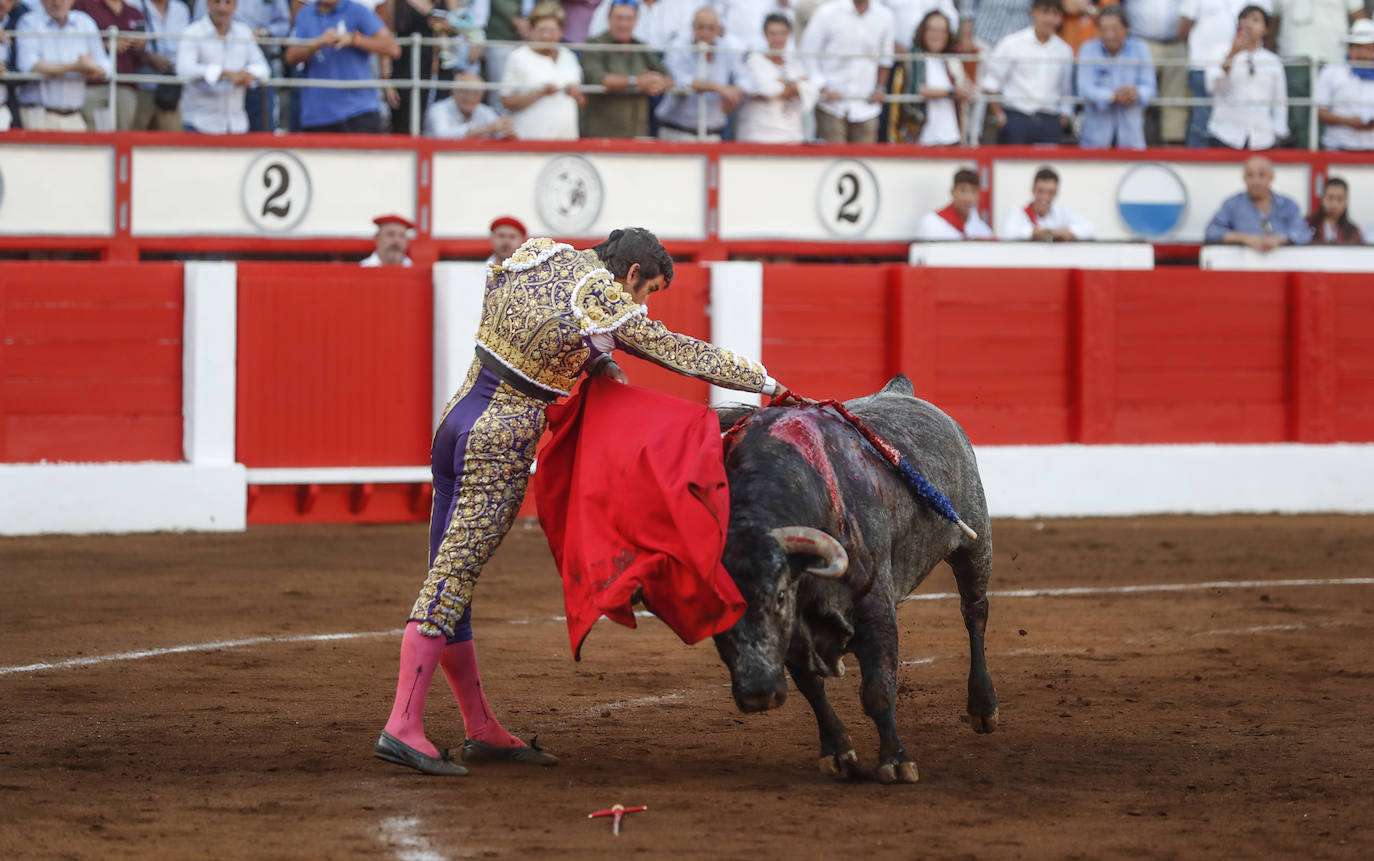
825, 539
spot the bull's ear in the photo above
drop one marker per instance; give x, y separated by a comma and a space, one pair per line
899, 385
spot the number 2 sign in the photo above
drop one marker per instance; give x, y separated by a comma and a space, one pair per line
276, 191
847, 198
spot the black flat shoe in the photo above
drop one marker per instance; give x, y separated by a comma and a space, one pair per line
474, 751
392, 749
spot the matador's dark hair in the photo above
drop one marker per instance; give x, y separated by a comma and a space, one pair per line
624, 248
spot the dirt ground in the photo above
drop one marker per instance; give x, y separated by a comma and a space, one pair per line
1195, 723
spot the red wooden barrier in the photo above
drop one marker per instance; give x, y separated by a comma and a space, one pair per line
90, 362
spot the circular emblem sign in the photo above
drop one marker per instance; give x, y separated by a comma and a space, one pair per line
568, 195
847, 198
1151, 200
276, 191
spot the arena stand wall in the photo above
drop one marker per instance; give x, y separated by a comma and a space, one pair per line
137, 394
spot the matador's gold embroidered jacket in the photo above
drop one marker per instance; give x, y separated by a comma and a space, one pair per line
548, 302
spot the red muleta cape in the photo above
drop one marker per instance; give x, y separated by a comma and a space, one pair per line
631, 492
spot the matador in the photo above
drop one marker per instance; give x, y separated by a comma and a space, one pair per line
550, 314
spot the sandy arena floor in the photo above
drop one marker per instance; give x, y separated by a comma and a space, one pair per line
1204, 722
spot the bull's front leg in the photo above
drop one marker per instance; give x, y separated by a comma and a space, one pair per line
875, 645
837, 751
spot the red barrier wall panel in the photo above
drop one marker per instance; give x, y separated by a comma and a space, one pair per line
1003, 353
334, 365
90, 362
1354, 356
825, 328
682, 308
1202, 357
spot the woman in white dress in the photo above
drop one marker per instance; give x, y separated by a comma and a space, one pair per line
941, 82
778, 95
542, 82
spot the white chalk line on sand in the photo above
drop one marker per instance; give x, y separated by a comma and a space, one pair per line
399, 832
930, 596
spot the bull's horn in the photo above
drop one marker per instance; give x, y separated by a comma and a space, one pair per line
813, 542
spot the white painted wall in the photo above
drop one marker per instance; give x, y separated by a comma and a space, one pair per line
1321, 258
459, 288
1034, 255
737, 318
1118, 480
209, 360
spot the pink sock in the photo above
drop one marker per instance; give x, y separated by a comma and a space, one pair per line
460, 668
419, 659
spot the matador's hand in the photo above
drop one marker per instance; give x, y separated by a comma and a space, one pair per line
612, 370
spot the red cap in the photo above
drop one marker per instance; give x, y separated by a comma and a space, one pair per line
393, 219
509, 221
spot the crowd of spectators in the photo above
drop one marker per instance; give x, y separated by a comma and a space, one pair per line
1030, 71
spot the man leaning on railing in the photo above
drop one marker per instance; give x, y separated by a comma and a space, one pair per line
66, 50
342, 34
9, 20
222, 61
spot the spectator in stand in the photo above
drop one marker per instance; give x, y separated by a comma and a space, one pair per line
1045, 218
958, 220
1032, 70
679, 114
1156, 23
1303, 31
507, 21
1250, 107
941, 82
577, 19
428, 20
507, 234
465, 115
907, 15
742, 20
658, 22
1345, 94
1080, 22
67, 64
1116, 83
159, 107
99, 113
631, 78
542, 87
10, 14
342, 34
853, 81
266, 19
393, 238
1331, 223
1257, 217
221, 65
778, 94
1210, 28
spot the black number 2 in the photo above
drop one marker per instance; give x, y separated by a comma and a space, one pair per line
849, 209
268, 207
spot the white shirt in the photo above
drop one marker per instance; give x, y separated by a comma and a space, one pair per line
79, 36
659, 23
1314, 28
1368, 233
933, 227
209, 103
1156, 20
765, 117
1016, 224
1339, 91
838, 28
552, 117
1214, 28
742, 20
1032, 76
445, 120
908, 14
942, 122
1249, 126
373, 260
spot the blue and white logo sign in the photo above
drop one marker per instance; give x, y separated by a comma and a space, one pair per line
1151, 199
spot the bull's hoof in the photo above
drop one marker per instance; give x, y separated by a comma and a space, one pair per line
898, 772
983, 724
840, 767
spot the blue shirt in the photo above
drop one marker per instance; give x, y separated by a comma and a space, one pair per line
321, 107
679, 110
1099, 76
1240, 214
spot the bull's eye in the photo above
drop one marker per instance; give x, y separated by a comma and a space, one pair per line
781, 600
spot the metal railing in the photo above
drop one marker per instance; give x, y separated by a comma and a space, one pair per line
417, 83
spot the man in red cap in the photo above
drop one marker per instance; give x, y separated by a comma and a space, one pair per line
507, 234
393, 237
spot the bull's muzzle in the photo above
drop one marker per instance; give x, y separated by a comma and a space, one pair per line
760, 700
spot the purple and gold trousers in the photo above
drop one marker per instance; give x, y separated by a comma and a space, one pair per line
481, 460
